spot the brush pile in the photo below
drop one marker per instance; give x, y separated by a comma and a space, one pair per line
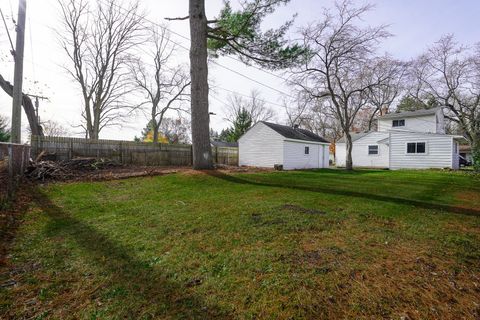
68, 169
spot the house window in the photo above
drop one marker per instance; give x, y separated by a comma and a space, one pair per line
416, 147
398, 123
307, 150
373, 149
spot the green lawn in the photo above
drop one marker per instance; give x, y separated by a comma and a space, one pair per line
283, 245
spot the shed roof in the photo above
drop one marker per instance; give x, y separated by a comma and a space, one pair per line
408, 114
225, 144
295, 133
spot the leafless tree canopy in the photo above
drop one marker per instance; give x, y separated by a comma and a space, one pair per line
314, 115
98, 42
340, 64
164, 86
254, 105
176, 130
450, 73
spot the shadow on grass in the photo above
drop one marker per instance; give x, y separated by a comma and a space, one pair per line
147, 285
349, 193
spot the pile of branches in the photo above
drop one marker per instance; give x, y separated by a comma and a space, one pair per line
68, 169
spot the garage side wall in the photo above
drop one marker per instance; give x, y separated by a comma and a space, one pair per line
295, 158
260, 147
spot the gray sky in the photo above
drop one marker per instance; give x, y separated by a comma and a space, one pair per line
416, 24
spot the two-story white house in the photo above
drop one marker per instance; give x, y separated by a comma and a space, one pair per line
412, 140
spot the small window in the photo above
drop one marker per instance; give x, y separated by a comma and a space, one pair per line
373, 149
307, 150
398, 123
416, 147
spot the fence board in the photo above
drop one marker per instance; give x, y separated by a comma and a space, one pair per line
127, 152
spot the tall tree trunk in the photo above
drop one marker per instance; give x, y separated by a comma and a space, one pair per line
202, 151
35, 127
475, 145
349, 145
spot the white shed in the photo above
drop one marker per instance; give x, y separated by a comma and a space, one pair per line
268, 144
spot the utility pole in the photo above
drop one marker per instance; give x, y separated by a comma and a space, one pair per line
37, 104
18, 74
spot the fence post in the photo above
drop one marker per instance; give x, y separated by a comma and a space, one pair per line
70, 150
120, 148
11, 173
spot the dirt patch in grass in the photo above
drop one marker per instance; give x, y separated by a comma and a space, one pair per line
299, 209
469, 199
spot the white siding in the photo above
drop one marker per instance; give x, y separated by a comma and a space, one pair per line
360, 155
294, 156
418, 124
340, 154
438, 151
261, 146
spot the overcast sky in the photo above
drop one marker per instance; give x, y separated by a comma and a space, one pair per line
416, 24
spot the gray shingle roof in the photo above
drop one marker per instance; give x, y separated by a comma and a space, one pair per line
355, 136
292, 133
224, 144
407, 114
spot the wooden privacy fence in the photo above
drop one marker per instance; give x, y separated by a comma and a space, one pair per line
126, 152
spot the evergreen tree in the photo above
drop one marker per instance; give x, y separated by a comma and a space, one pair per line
242, 123
4, 130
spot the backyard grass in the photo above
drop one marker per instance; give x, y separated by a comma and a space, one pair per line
324, 244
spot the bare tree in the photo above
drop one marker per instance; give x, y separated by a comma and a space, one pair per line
163, 85
314, 115
28, 107
98, 41
176, 130
382, 97
254, 105
450, 74
338, 64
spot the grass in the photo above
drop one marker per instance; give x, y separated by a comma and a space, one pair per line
321, 244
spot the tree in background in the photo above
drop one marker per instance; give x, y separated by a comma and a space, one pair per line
173, 131
4, 130
382, 96
242, 122
163, 85
27, 104
411, 103
99, 40
340, 64
449, 73
235, 32
254, 105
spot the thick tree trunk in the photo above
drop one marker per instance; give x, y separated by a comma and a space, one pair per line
475, 145
35, 127
202, 151
349, 145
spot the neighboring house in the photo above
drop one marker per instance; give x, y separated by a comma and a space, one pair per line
413, 140
466, 153
269, 144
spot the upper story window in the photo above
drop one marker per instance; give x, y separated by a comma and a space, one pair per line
398, 123
416, 147
307, 150
373, 149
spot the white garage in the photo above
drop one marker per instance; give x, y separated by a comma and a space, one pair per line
268, 144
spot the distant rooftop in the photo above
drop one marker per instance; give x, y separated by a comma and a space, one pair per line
355, 136
295, 133
224, 144
408, 114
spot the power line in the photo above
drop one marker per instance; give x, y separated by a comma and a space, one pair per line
185, 48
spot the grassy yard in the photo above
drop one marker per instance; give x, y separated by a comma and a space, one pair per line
284, 245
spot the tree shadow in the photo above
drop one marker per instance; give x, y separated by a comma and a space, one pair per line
150, 286
350, 193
